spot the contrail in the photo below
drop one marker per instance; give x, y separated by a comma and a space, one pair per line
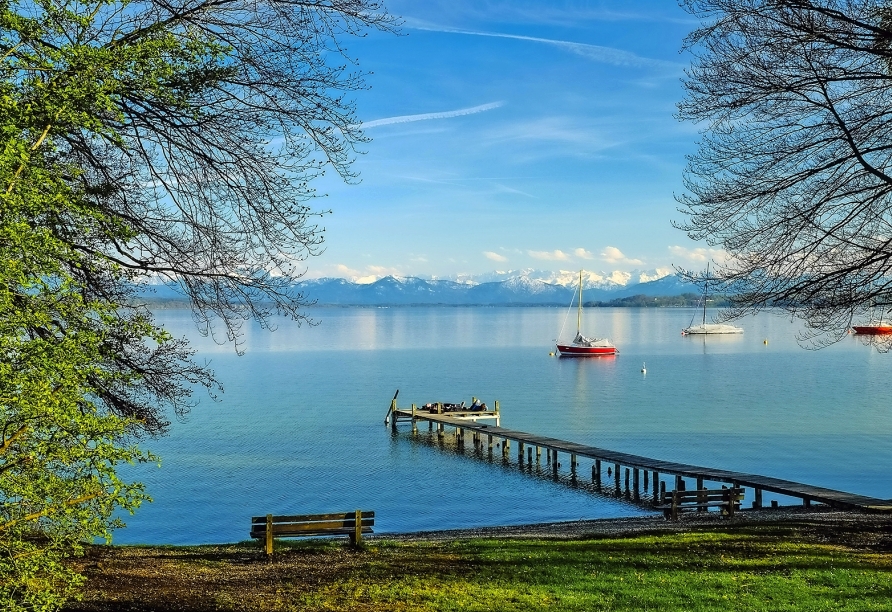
425, 116
607, 55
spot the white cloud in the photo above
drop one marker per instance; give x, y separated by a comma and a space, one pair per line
427, 116
556, 255
699, 254
583, 254
494, 256
615, 256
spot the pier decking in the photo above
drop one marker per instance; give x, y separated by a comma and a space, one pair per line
652, 469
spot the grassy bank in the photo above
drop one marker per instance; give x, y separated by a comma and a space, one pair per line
776, 567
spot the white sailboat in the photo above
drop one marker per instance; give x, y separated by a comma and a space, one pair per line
709, 328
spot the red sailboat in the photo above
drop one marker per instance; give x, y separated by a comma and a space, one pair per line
582, 346
874, 328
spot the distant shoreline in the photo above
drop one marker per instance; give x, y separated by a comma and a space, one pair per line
648, 302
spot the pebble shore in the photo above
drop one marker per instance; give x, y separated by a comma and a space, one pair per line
856, 528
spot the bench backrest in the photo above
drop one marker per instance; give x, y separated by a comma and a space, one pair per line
353, 524
706, 495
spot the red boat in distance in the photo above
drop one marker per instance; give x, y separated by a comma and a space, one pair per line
582, 346
874, 329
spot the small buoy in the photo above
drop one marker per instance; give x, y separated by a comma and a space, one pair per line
765, 341
644, 368
551, 354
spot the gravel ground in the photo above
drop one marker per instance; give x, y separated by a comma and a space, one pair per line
853, 528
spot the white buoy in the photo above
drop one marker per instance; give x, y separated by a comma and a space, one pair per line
644, 368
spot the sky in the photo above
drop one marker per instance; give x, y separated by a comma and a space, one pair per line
516, 134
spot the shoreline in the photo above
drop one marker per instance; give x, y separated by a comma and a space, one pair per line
814, 519
811, 559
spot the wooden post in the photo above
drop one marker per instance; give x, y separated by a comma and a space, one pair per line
656, 487
662, 496
627, 482
679, 483
430, 425
596, 474
646, 485
732, 501
554, 462
757, 503
700, 497
530, 455
498, 414
538, 454
520, 451
414, 422
806, 502
269, 532
573, 464
489, 438
616, 479
636, 494
357, 533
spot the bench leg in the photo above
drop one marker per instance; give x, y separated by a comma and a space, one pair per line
356, 538
269, 534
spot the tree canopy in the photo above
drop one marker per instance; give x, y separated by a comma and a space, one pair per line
793, 175
144, 140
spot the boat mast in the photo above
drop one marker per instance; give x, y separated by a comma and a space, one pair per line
705, 292
579, 310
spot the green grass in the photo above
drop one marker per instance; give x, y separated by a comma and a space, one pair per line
765, 569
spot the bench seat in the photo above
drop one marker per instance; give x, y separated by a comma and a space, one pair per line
351, 524
727, 500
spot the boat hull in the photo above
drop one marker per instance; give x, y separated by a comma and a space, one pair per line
711, 328
873, 330
585, 351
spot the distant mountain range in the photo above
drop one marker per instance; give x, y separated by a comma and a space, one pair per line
523, 289
516, 290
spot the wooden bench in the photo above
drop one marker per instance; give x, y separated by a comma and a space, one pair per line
727, 500
352, 524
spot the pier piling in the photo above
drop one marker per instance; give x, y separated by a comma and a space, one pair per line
463, 421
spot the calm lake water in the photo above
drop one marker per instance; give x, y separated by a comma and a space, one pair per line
300, 427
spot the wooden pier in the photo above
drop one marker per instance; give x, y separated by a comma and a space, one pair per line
485, 436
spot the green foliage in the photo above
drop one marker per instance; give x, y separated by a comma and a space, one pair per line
75, 389
135, 142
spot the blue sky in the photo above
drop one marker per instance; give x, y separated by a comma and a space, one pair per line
521, 134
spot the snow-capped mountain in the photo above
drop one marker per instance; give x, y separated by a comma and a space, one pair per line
566, 278
517, 290
525, 287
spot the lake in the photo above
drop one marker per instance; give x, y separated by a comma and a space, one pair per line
300, 426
